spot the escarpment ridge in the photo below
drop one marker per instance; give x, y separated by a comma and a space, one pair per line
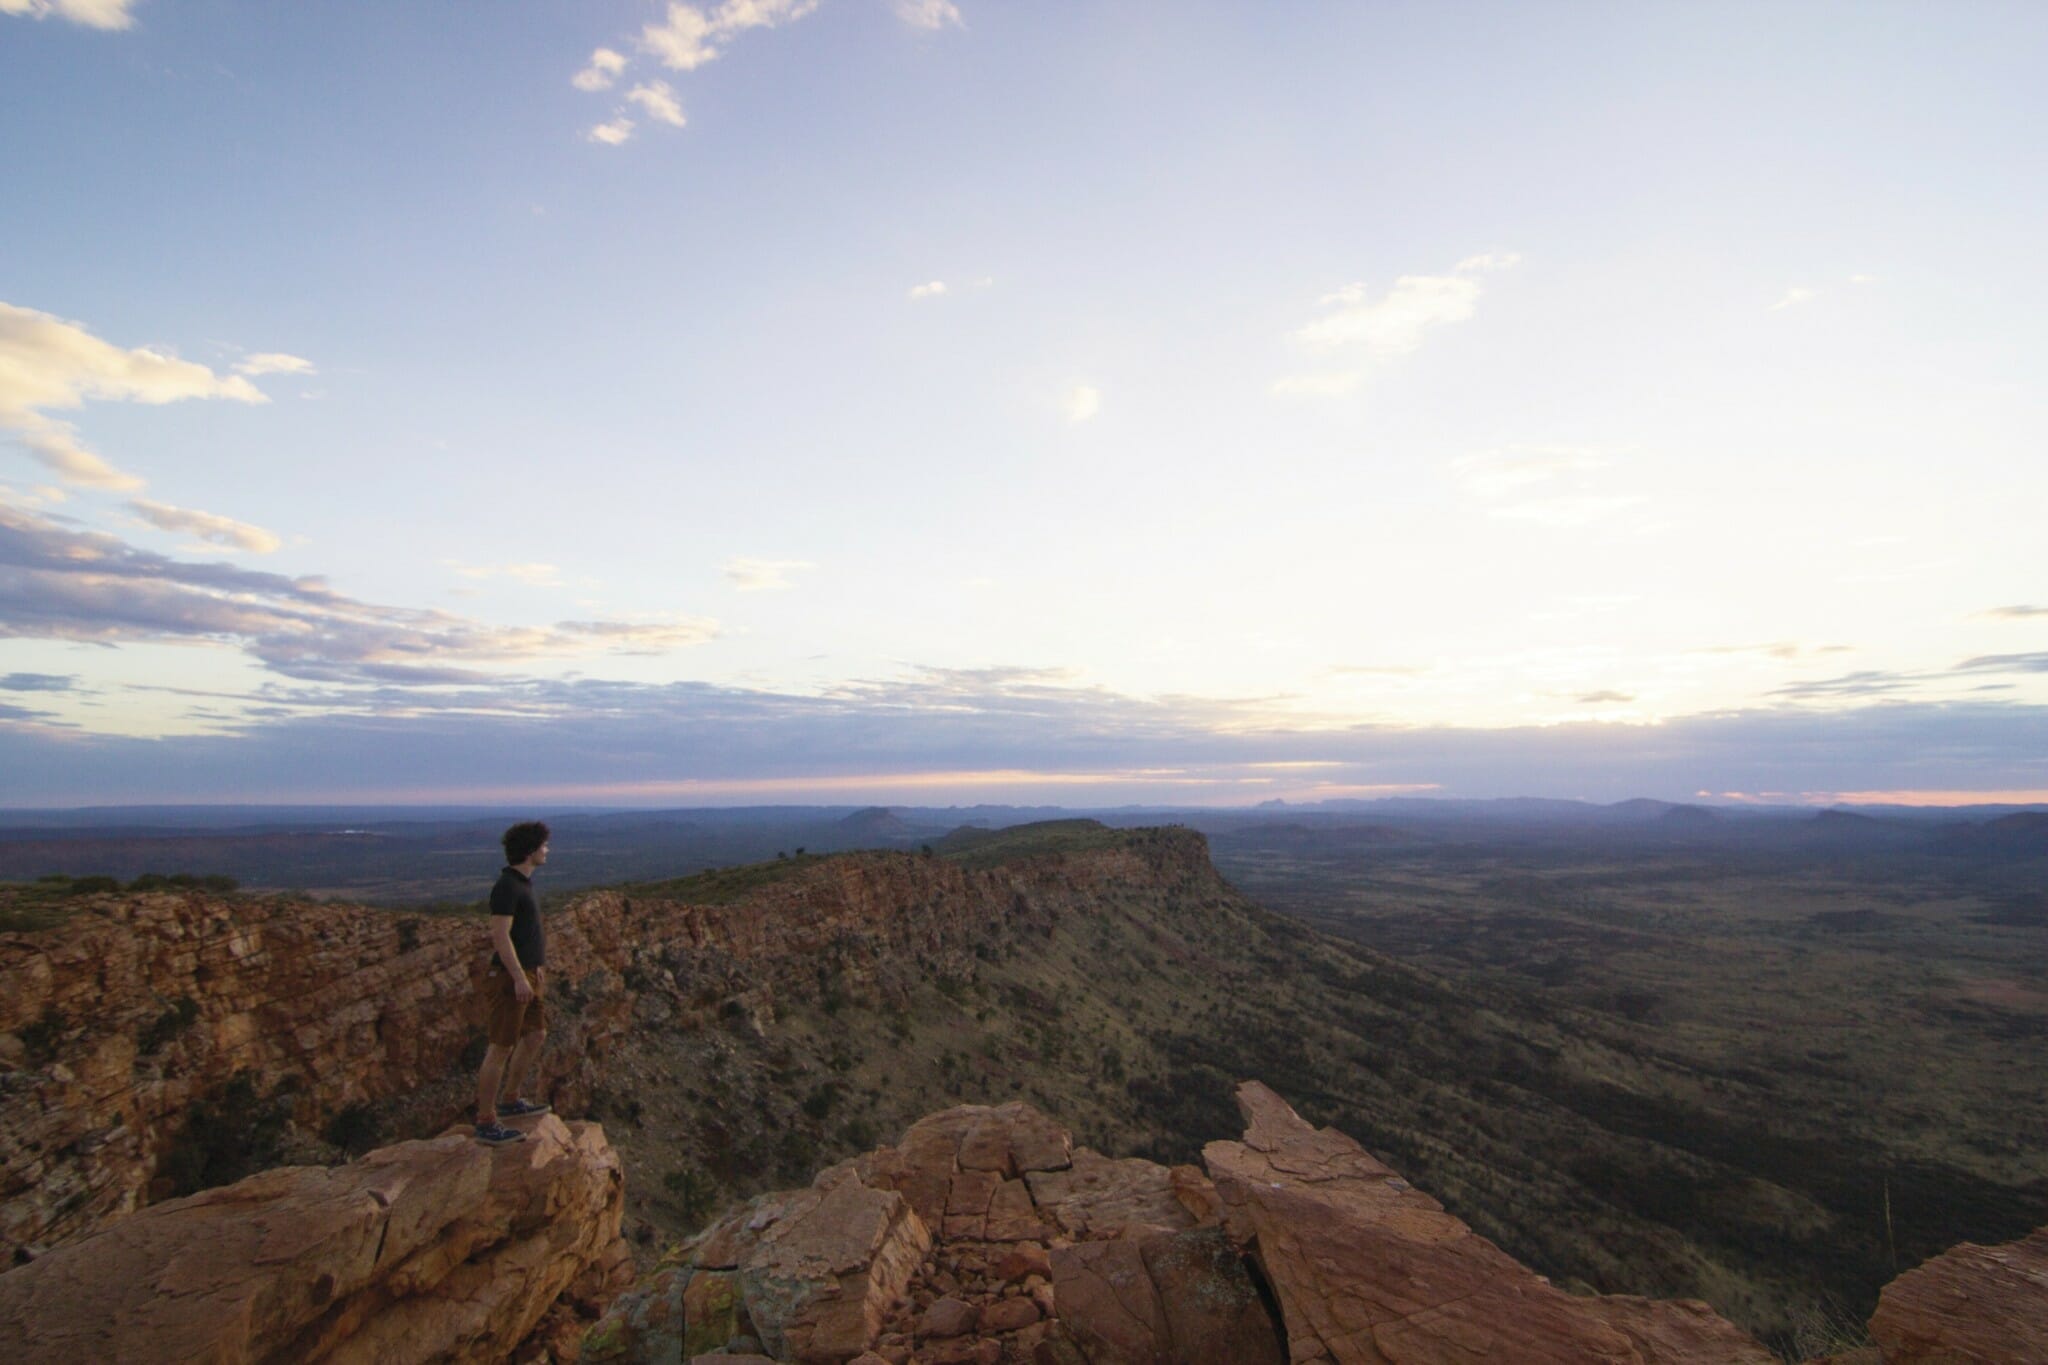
737, 1031
118, 1027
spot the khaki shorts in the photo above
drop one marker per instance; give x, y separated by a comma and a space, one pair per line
507, 1018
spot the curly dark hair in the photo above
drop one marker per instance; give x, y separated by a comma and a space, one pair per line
522, 839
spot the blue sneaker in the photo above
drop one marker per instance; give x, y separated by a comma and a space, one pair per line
497, 1133
521, 1109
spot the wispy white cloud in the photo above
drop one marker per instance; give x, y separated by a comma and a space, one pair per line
657, 99
689, 38
683, 41
2020, 612
735, 16
236, 535
35, 495
603, 69
630, 637
103, 14
934, 289
1082, 403
1397, 321
49, 364
1371, 328
763, 575
1793, 297
274, 362
930, 14
1778, 649
686, 37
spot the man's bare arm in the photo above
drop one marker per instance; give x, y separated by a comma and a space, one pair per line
501, 940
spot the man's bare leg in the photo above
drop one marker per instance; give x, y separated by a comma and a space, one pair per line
523, 1057
488, 1078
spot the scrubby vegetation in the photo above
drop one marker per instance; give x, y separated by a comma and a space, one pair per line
1594, 1142
173, 1021
49, 901
234, 1134
989, 848
723, 885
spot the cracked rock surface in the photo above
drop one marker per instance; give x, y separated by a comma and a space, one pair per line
436, 1250
1971, 1305
985, 1236
1367, 1268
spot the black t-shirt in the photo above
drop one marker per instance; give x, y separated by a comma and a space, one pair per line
513, 895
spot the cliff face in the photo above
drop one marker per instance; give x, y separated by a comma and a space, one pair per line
116, 1024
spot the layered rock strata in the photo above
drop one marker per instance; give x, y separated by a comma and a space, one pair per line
438, 1250
1971, 1305
114, 1024
1367, 1268
985, 1236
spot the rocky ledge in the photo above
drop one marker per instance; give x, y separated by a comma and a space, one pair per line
1971, 1305
437, 1250
985, 1236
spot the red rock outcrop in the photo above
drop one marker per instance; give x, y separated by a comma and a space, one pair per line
1043, 1253
1368, 1269
437, 1250
1971, 1305
1165, 1298
115, 1023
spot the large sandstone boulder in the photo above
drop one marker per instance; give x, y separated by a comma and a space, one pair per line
1169, 1298
808, 1274
1368, 1269
1971, 1305
866, 1255
439, 1250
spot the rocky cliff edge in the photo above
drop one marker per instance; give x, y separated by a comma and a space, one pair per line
437, 1250
985, 1236
116, 1026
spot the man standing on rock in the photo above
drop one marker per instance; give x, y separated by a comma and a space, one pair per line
513, 986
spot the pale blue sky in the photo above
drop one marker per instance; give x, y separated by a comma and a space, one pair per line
1492, 399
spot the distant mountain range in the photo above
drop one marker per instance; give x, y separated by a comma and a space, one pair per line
418, 855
